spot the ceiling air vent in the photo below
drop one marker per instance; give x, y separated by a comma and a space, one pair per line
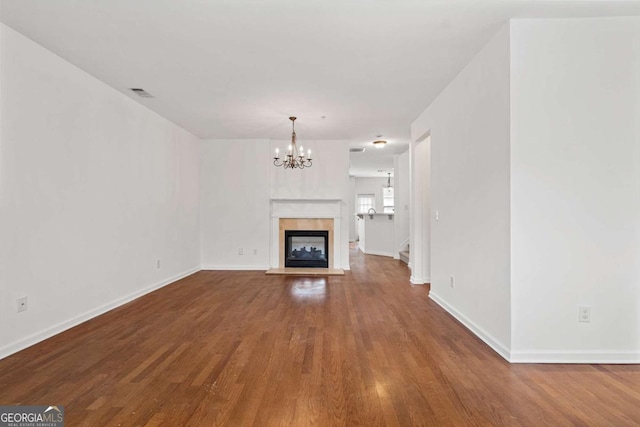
356, 150
141, 93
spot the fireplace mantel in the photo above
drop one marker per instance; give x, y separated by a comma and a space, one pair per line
314, 199
306, 208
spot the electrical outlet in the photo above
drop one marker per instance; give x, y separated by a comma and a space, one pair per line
157, 263
240, 251
584, 314
255, 252
437, 215
22, 304
452, 281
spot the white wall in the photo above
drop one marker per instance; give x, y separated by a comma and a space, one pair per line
235, 204
371, 186
367, 185
576, 189
376, 235
328, 178
94, 189
420, 218
353, 231
402, 202
401, 184
238, 182
536, 177
469, 138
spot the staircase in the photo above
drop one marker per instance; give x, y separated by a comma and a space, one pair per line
404, 255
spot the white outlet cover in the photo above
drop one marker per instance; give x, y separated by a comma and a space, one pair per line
584, 314
22, 304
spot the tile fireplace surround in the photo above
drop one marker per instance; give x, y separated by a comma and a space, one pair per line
323, 224
305, 214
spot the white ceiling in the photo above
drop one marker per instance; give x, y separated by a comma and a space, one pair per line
239, 69
374, 162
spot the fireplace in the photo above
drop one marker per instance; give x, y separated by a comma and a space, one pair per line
281, 224
306, 248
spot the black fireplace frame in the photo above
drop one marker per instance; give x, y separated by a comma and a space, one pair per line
306, 263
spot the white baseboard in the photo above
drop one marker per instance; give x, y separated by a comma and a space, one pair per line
236, 267
576, 356
403, 245
381, 253
491, 341
211, 267
75, 321
419, 280
541, 356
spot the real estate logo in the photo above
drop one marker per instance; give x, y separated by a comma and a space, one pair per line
31, 416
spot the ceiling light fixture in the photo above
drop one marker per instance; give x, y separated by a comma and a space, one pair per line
379, 143
141, 92
295, 157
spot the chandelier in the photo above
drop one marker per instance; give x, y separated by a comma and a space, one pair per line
295, 157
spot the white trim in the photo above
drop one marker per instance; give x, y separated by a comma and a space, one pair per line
576, 356
490, 340
236, 267
68, 324
306, 208
541, 356
404, 243
381, 253
419, 280
316, 199
424, 136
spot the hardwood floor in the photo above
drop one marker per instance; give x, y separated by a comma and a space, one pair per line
244, 348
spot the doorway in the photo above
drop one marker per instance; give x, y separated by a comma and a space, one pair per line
420, 253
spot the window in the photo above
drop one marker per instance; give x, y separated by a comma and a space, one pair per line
366, 202
387, 199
